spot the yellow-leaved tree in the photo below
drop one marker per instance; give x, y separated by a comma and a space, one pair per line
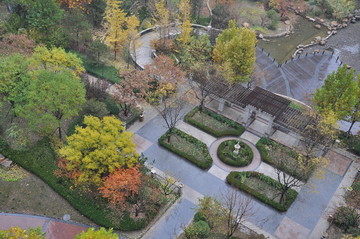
185, 27
55, 59
162, 17
96, 150
119, 28
235, 53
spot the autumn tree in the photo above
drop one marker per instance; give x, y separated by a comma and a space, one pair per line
120, 185
17, 232
202, 77
118, 26
50, 98
98, 149
81, 4
340, 93
166, 76
185, 27
16, 43
55, 59
162, 17
102, 233
234, 53
131, 90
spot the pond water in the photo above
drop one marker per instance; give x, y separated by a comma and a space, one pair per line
282, 48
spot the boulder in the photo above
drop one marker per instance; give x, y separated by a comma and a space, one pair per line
333, 24
345, 20
318, 38
6, 163
317, 26
322, 43
321, 20
261, 36
246, 24
2, 157
349, 67
287, 22
300, 46
353, 20
357, 17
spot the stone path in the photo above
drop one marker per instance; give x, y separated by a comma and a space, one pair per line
302, 220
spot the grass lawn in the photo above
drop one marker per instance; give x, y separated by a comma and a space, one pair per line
271, 152
213, 123
263, 188
188, 147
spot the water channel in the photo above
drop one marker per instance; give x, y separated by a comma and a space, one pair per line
282, 48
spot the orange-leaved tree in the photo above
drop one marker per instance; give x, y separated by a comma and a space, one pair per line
75, 3
121, 184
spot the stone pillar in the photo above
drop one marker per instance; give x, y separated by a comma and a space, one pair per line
246, 115
269, 127
221, 105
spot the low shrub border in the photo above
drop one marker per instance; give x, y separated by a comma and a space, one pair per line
237, 131
235, 179
40, 160
227, 156
261, 145
207, 160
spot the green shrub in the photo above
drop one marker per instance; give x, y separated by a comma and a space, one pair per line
203, 163
236, 131
356, 187
236, 179
112, 106
199, 217
199, 230
346, 217
351, 142
226, 155
274, 19
102, 71
95, 108
40, 160
78, 121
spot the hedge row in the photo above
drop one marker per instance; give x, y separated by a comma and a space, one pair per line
261, 145
234, 179
226, 155
236, 131
40, 160
203, 163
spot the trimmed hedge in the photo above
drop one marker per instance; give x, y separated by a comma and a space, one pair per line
227, 156
237, 130
261, 145
40, 160
203, 163
234, 179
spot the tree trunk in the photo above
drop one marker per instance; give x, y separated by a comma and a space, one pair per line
349, 131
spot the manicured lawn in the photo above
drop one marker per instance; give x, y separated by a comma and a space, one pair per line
272, 152
263, 188
213, 123
226, 154
187, 147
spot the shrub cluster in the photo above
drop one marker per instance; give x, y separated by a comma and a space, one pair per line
203, 163
226, 155
347, 219
236, 131
351, 142
40, 160
236, 179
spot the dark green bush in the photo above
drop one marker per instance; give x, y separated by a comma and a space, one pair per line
78, 121
236, 131
112, 106
204, 163
199, 217
346, 218
199, 230
226, 155
102, 71
350, 142
40, 160
274, 19
236, 179
356, 187
95, 108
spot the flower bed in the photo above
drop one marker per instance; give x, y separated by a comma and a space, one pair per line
263, 188
271, 150
212, 123
187, 147
226, 155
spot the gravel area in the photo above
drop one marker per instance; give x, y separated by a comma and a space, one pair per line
346, 44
